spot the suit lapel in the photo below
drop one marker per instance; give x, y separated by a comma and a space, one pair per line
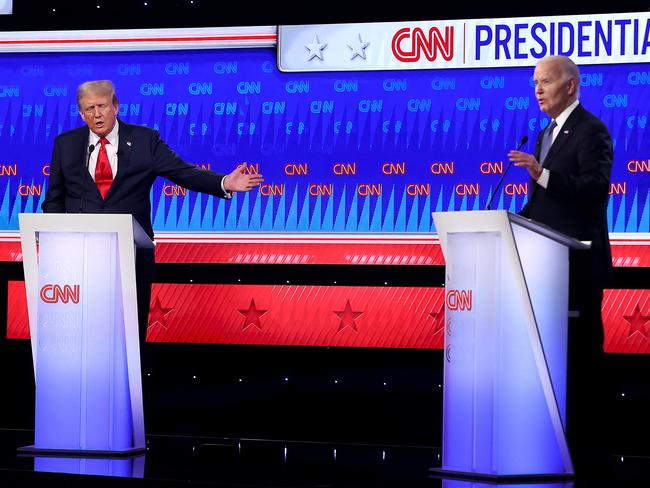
124, 152
566, 132
538, 150
556, 147
86, 179
538, 145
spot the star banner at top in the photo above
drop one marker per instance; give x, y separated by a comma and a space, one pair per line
473, 43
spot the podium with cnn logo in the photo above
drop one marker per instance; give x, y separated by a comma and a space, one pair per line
506, 319
83, 320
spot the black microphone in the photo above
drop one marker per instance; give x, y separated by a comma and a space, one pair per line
523, 141
91, 148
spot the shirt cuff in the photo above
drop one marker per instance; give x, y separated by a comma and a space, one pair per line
226, 194
543, 178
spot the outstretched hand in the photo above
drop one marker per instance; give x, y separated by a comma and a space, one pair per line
528, 161
240, 180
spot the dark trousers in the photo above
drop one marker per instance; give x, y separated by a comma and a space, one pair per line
145, 265
587, 384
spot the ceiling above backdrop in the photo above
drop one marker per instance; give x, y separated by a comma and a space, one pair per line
132, 14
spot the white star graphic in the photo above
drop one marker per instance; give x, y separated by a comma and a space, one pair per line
358, 48
315, 48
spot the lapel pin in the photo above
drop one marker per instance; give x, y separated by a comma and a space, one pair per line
128, 143
567, 131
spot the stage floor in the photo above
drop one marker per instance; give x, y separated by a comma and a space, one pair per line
191, 461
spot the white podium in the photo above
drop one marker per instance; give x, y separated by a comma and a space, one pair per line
83, 320
506, 318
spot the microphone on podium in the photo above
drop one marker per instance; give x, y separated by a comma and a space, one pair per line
91, 148
523, 141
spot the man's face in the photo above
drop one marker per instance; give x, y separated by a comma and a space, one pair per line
98, 112
553, 90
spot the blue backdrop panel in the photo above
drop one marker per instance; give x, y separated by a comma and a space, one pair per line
341, 151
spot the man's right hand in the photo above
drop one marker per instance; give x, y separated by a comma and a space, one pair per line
241, 180
528, 161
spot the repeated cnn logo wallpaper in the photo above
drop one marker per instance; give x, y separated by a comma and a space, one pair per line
344, 152
348, 151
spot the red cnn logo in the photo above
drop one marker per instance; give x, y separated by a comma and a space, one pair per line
58, 293
459, 300
408, 44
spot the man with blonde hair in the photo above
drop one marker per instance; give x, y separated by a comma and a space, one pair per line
109, 166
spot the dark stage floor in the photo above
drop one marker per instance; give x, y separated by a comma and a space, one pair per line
191, 461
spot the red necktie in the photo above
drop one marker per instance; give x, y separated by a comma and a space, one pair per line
103, 173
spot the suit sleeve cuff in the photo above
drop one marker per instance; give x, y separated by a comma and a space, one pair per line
543, 178
226, 194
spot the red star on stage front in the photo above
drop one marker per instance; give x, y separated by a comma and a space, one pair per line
157, 314
439, 318
252, 316
347, 317
637, 322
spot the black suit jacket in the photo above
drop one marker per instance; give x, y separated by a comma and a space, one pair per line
575, 202
142, 156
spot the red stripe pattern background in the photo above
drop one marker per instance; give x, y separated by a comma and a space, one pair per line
259, 251
328, 316
391, 317
291, 315
626, 317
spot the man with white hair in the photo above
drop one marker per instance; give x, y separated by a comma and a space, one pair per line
570, 178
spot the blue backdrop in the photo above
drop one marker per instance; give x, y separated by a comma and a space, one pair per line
343, 151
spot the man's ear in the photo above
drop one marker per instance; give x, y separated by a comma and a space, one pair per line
573, 86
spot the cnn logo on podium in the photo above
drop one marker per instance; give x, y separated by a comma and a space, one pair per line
51, 293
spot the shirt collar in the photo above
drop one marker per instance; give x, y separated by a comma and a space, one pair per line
111, 136
562, 118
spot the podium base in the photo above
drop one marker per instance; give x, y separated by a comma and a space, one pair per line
84, 453
499, 478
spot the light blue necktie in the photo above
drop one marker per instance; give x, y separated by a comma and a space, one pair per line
547, 140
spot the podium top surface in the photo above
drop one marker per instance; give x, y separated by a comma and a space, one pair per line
498, 220
61, 222
546, 231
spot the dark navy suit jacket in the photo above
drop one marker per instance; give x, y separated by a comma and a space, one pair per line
142, 157
575, 202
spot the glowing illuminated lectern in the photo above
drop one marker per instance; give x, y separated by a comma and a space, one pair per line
83, 321
506, 318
